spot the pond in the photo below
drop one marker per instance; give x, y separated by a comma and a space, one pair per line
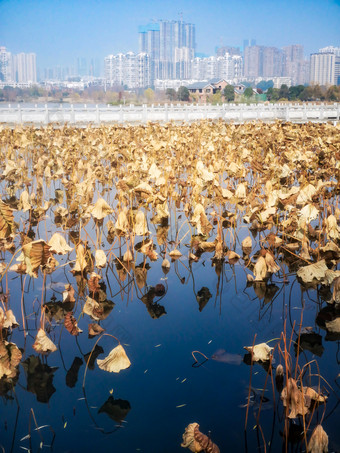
181, 244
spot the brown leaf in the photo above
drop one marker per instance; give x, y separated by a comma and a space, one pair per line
318, 442
10, 357
36, 254
71, 324
6, 220
293, 397
94, 329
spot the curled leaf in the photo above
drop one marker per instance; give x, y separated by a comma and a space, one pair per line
116, 361
42, 344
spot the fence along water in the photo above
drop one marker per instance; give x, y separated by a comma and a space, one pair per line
96, 114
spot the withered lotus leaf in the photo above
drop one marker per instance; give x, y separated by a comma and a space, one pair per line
68, 294
336, 290
313, 271
42, 344
36, 254
93, 283
100, 258
24, 202
6, 220
196, 441
101, 209
122, 224
94, 329
10, 357
260, 269
332, 228
128, 256
293, 398
7, 319
200, 220
71, 324
311, 394
318, 442
116, 361
260, 351
140, 227
59, 245
175, 254
81, 263
247, 243
272, 267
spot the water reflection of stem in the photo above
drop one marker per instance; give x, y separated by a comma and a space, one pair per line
23, 314
249, 391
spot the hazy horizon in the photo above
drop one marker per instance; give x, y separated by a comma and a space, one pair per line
60, 31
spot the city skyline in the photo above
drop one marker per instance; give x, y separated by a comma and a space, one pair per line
59, 32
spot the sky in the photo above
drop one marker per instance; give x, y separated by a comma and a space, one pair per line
59, 31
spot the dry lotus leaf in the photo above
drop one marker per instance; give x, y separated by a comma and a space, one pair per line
42, 344
293, 397
128, 256
241, 191
100, 258
122, 224
81, 263
101, 209
261, 352
10, 357
71, 324
116, 361
92, 308
175, 254
272, 267
35, 254
24, 202
332, 228
140, 227
200, 220
315, 271
311, 394
59, 245
318, 442
95, 329
6, 220
7, 319
260, 269
68, 294
196, 441
93, 283
247, 243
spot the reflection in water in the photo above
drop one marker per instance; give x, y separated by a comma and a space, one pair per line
39, 378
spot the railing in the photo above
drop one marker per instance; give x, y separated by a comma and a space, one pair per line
84, 114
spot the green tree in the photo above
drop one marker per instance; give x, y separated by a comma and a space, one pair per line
273, 94
229, 93
183, 93
284, 92
248, 92
171, 94
294, 92
306, 94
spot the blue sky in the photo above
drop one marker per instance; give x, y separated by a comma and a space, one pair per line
58, 31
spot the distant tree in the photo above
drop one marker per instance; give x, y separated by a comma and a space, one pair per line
248, 92
273, 94
183, 94
318, 93
149, 94
229, 93
216, 98
284, 92
171, 94
294, 92
306, 94
264, 85
333, 93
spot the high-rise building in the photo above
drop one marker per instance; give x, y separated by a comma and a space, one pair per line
253, 61
5, 65
272, 63
227, 67
24, 68
324, 68
221, 51
170, 46
295, 64
130, 69
330, 49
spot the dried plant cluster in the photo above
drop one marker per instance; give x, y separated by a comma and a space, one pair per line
265, 196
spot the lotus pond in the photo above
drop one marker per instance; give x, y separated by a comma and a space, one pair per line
170, 288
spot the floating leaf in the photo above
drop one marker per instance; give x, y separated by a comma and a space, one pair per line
260, 351
116, 361
59, 245
293, 397
42, 344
